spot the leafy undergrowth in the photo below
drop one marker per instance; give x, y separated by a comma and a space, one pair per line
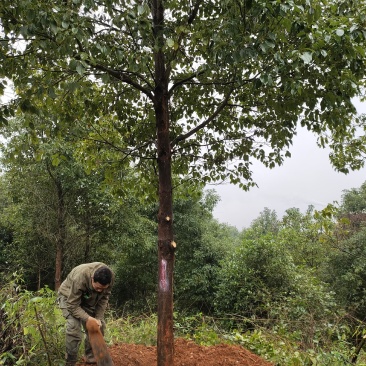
32, 332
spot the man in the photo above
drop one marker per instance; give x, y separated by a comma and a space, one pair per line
83, 298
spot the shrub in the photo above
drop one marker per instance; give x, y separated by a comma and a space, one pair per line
31, 327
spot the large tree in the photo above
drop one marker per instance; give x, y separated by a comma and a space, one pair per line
197, 89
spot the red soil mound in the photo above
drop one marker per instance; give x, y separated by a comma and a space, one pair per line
187, 353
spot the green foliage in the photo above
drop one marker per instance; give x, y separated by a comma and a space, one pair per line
266, 223
201, 243
6, 230
31, 327
283, 350
260, 285
279, 346
257, 275
198, 327
135, 265
347, 274
238, 78
52, 206
306, 236
137, 330
354, 200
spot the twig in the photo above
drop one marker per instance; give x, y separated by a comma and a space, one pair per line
42, 336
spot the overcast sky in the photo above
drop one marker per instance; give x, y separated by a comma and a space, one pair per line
307, 178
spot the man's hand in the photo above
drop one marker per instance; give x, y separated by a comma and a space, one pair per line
93, 324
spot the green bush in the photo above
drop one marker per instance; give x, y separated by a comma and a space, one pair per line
258, 275
31, 327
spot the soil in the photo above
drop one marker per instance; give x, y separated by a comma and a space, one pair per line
187, 353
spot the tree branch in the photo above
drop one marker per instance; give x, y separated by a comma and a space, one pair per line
42, 336
124, 78
194, 11
183, 81
118, 75
204, 123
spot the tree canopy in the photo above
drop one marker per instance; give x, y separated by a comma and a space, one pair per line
238, 77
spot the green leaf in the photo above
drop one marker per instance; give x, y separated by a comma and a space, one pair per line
170, 42
36, 299
51, 93
141, 9
306, 57
73, 64
80, 69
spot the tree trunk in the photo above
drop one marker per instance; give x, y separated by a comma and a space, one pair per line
61, 235
39, 279
166, 245
88, 234
358, 350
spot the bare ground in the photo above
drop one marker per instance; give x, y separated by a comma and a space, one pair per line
187, 353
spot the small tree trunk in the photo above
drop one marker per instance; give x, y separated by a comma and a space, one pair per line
61, 236
358, 350
88, 235
39, 279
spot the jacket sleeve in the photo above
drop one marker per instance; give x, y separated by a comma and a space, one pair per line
73, 302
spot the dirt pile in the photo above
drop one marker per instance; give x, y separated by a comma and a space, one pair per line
187, 353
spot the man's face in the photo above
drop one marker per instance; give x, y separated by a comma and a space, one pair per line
98, 287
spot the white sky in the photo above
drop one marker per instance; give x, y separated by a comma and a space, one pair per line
307, 178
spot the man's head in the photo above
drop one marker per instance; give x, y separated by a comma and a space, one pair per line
101, 278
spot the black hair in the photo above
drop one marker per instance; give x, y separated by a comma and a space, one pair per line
103, 275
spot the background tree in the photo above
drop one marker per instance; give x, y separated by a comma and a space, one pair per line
353, 207
305, 235
58, 212
254, 277
266, 223
262, 285
203, 244
346, 271
197, 89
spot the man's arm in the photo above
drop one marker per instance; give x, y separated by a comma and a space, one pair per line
73, 302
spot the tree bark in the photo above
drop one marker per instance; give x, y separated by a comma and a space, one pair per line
61, 235
88, 234
358, 350
61, 226
166, 245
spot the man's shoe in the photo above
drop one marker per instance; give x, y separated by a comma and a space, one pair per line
71, 360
